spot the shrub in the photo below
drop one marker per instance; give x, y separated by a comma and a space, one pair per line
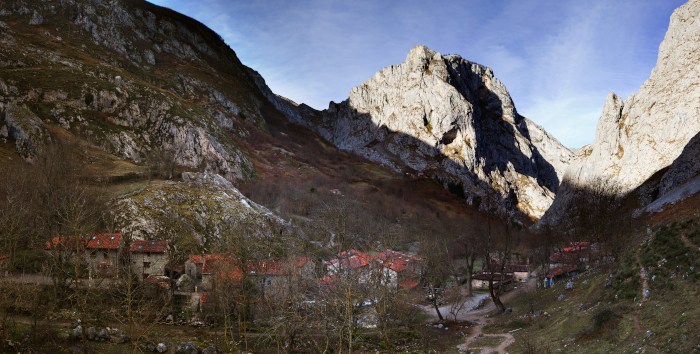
604, 315
242, 116
89, 98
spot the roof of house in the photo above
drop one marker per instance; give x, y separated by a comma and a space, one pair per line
155, 281
151, 246
104, 241
351, 259
197, 259
65, 242
408, 284
496, 278
560, 257
555, 272
396, 261
205, 298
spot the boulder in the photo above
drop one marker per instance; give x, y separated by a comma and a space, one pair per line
78, 332
209, 350
161, 348
103, 334
186, 348
117, 336
91, 333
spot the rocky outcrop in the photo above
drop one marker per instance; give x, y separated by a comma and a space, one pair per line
204, 206
451, 119
145, 77
647, 132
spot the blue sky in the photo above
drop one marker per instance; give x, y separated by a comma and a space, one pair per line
559, 59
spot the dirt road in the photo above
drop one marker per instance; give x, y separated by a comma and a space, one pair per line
479, 317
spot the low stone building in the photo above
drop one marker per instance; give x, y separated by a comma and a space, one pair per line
148, 258
102, 253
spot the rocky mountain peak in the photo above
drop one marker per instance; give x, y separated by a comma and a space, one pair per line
648, 131
452, 120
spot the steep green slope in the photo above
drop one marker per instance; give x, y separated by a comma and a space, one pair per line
645, 303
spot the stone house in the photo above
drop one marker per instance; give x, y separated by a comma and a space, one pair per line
102, 253
398, 269
272, 273
480, 280
268, 274
148, 258
512, 273
352, 262
559, 273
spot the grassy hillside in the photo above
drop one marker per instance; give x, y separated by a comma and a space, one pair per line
595, 318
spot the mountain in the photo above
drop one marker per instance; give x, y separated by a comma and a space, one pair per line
128, 78
452, 120
642, 143
152, 102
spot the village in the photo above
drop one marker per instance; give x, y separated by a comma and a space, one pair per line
200, 277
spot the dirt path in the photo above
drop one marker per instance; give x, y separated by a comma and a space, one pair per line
508, 339
643, 275
479, 317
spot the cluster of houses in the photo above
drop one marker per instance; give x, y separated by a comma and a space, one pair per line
148, 260
511, 274
105, 253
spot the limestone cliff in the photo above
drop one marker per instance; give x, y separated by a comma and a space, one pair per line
450, 119
645, 133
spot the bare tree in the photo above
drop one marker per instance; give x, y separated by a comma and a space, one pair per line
499, 246
436, 269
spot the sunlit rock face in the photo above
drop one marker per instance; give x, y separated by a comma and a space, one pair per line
645, 133
450, 119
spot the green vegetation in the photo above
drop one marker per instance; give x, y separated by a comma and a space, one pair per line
593, 318
489, 341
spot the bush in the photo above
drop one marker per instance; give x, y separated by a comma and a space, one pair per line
604, 315
89, 98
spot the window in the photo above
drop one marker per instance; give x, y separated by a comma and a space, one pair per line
146, 264
104, 254
92, 254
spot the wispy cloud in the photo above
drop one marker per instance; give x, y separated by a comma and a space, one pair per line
559, 59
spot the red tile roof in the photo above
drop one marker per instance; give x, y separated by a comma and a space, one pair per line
149, 246
104, 241
64, 242
408, 284
396, 261
154, 281
205, 298
351, 259
555, 272
561, 258
197, 259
